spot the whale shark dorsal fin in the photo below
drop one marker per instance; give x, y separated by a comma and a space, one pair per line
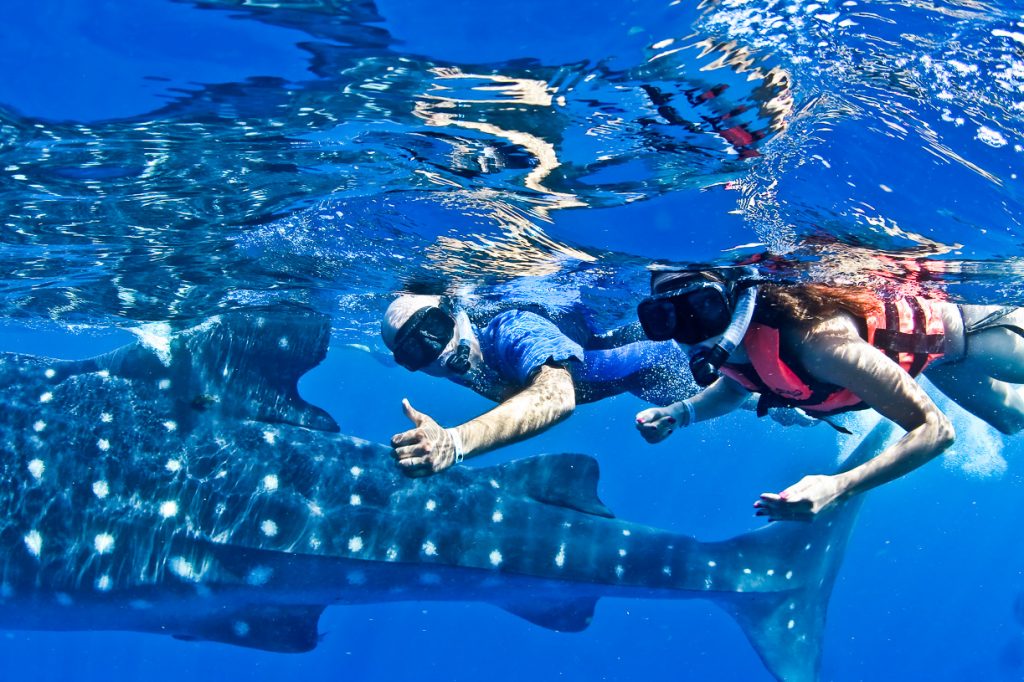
562, 616
566, 480
281, 629
239, 365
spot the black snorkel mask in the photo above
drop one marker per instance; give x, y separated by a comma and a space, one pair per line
423, 338
696, 312
695, 307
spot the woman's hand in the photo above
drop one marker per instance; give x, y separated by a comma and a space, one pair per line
802, 501
656, 424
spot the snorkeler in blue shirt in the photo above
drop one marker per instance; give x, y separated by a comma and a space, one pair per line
521, 360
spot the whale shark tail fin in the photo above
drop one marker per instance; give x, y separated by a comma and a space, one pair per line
785, 625
238, 365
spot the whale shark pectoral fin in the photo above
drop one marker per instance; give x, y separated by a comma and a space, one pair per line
567, 480
281, 629
561, 616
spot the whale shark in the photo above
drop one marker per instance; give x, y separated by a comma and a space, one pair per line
181, 485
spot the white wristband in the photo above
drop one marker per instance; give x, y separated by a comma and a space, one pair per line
687, 407
460, 453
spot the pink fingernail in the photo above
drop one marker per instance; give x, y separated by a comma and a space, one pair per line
784, 495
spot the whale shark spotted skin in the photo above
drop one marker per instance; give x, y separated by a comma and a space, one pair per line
180, 485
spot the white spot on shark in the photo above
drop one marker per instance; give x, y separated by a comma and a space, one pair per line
36, 467
269, 528
270, 483
173, 465
355, 500
314, 542
283, 342
770, 571
34, 542
183, 568
103, 444
240, 628
431, 505
171, 425
356, 472
622, 552
103, 374
495, 484
429, 548
259, 575
626, 532
495, 557
619, 571
807, 546
39, 426
270, 437
391, 554
789, 575
746, 571
221, 537
103, 583
315, 509
49, 373
560, 557
106, 417
712, 564
497, 516
46, 397
790, 625
104, 543
667, 570
168, 509
100, 489
164, 384
355, 544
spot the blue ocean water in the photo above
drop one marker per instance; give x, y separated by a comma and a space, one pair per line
168, 160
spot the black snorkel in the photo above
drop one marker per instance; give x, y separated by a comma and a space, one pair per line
705, 362
458, 361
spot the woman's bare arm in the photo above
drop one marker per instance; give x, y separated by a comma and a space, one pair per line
656, 424
835, 354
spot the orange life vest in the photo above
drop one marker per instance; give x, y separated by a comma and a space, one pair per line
909, 330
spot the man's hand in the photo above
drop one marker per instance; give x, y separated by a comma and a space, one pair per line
656, 424
424, 450
800, 502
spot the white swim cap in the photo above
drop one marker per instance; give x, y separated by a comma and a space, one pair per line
400, 310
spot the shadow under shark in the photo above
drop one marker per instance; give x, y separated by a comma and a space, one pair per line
180, 485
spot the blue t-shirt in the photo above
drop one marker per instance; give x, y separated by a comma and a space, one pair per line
516, 343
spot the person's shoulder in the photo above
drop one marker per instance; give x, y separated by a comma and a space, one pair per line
519, 319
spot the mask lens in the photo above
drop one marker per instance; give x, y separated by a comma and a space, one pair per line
423, 337
658, 318
700, 315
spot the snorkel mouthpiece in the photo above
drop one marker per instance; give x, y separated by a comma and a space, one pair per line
705, 362
458, 360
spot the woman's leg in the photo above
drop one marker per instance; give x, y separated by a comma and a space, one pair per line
983, 382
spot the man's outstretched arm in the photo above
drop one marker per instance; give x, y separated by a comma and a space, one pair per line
429, 448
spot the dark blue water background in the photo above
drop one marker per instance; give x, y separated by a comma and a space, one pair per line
162, 161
